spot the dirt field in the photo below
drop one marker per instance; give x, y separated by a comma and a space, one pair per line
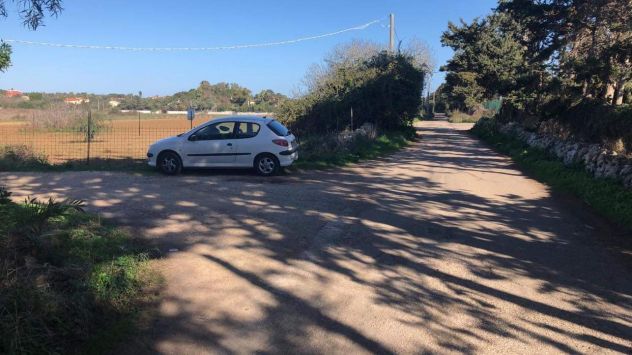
119, 139
441, 248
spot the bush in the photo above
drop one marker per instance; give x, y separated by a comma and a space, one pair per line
590, 121
335, 149
19, 157
383, 89
462, 117
64, 117
5, 195
599, 123
66, 280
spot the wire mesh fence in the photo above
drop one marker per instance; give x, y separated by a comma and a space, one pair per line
61, 146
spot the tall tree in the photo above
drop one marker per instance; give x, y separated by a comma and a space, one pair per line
587, 44
488, 61
5, 56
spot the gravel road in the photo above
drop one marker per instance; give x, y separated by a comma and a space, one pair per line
443, 247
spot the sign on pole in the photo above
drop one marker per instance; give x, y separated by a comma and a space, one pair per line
190, 115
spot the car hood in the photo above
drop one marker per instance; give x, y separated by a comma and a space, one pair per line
167, 141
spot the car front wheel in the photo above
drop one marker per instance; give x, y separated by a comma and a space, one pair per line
169, 163
267, 165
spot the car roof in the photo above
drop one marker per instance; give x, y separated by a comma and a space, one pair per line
243, 118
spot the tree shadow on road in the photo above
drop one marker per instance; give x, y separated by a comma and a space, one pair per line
291, 264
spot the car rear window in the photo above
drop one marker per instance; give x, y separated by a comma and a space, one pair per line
279, 128
247, 130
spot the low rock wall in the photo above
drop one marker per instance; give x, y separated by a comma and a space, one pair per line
596, 159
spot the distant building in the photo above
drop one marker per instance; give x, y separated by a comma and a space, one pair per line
13, 93
76, 100
114, 103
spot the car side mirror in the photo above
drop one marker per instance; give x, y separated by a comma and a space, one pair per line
193, 137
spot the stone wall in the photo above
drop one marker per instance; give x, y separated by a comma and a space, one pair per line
600, 161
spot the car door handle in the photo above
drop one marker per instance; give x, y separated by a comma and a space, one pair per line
229, 144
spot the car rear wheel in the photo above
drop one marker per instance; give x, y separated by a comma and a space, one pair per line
169, 163
267, 165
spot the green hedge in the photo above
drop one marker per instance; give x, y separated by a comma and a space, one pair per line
384, 90
588, 120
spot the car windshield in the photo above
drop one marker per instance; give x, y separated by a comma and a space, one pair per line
279, 128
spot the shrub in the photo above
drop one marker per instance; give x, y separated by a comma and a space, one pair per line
66, 280
587, 120
5, 195
383, 89
335, 149
462, 117
20, 156
62, 117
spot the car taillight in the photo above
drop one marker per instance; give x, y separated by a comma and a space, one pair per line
281, 142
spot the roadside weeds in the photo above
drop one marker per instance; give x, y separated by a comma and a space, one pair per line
69, 282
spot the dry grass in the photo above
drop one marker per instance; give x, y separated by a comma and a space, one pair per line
118, 139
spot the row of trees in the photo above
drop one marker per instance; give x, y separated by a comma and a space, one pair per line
217, 97
534, 52
379, 87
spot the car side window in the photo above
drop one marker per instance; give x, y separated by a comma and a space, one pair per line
216, 131
247, 130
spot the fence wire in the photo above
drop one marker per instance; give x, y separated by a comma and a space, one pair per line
61, 146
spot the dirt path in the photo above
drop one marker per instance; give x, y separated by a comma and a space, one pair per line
443, 247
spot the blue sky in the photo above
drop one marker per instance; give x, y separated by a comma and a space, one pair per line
198, 23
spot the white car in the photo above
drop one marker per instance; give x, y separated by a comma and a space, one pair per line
229, 142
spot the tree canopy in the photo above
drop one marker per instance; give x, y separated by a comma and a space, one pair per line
534, 51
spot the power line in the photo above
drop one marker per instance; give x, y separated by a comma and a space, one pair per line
173, 49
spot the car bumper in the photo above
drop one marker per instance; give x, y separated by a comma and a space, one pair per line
151, 159
286, 158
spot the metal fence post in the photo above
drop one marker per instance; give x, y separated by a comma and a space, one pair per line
89, 134
33, 132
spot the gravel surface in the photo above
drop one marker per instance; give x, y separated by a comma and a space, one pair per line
443, 247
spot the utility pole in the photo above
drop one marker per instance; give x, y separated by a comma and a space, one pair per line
391, 37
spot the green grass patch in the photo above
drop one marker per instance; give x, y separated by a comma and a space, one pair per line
609, 198
462, 117
68, 282
322, 151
